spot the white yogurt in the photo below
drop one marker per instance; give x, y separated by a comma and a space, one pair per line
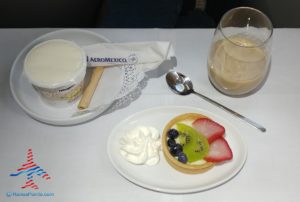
56, 68
141, 146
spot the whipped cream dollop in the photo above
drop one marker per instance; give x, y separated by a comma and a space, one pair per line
141, 145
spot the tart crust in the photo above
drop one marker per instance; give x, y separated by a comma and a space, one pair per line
185, 168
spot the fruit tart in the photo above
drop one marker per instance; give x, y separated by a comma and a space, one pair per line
193, 143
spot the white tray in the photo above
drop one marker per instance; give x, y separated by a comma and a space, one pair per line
162, 177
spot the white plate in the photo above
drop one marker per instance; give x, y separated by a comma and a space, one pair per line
162, 177
30, 101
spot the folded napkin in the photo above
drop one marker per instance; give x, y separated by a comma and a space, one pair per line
126, 66
147, 55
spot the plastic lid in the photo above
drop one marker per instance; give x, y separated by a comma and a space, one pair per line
55, 63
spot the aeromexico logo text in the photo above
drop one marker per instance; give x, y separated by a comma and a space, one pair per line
106, 60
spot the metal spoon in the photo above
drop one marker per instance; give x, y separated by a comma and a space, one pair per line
182, 85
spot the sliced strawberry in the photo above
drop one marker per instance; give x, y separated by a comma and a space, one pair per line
219, 151
212, 130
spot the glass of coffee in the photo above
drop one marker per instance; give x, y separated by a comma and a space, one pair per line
240, 53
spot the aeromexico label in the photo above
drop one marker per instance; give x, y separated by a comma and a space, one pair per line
131, 59
106, 60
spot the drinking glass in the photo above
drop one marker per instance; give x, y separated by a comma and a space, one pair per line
240, 53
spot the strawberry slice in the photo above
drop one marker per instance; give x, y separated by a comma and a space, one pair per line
212, 130
219, 151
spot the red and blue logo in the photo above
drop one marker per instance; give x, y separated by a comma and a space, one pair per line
30, 168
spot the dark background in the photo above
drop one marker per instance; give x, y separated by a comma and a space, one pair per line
136, 13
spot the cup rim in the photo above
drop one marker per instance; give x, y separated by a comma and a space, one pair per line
253, 9
75, 77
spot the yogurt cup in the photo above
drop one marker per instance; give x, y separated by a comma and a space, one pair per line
56, 69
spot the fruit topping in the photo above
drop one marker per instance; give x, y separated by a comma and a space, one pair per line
171, 142
176, 150
195, 145
212, 130
173, 133
182, 157
219, 151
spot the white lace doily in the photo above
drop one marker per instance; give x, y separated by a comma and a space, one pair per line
131, 78
132, 81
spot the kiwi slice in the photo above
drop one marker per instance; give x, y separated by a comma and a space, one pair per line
195, 144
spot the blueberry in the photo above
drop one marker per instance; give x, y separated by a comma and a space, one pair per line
182, 157
173, 133
176, 149
172, 151
171, 142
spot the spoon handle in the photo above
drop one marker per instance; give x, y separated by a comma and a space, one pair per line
252, 123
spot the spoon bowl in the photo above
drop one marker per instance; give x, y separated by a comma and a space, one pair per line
179, 83
183, 85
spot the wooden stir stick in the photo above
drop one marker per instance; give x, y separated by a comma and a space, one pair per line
90, 89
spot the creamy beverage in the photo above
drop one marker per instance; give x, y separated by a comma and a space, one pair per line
237, 65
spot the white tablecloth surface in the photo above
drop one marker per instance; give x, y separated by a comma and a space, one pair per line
76, 155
